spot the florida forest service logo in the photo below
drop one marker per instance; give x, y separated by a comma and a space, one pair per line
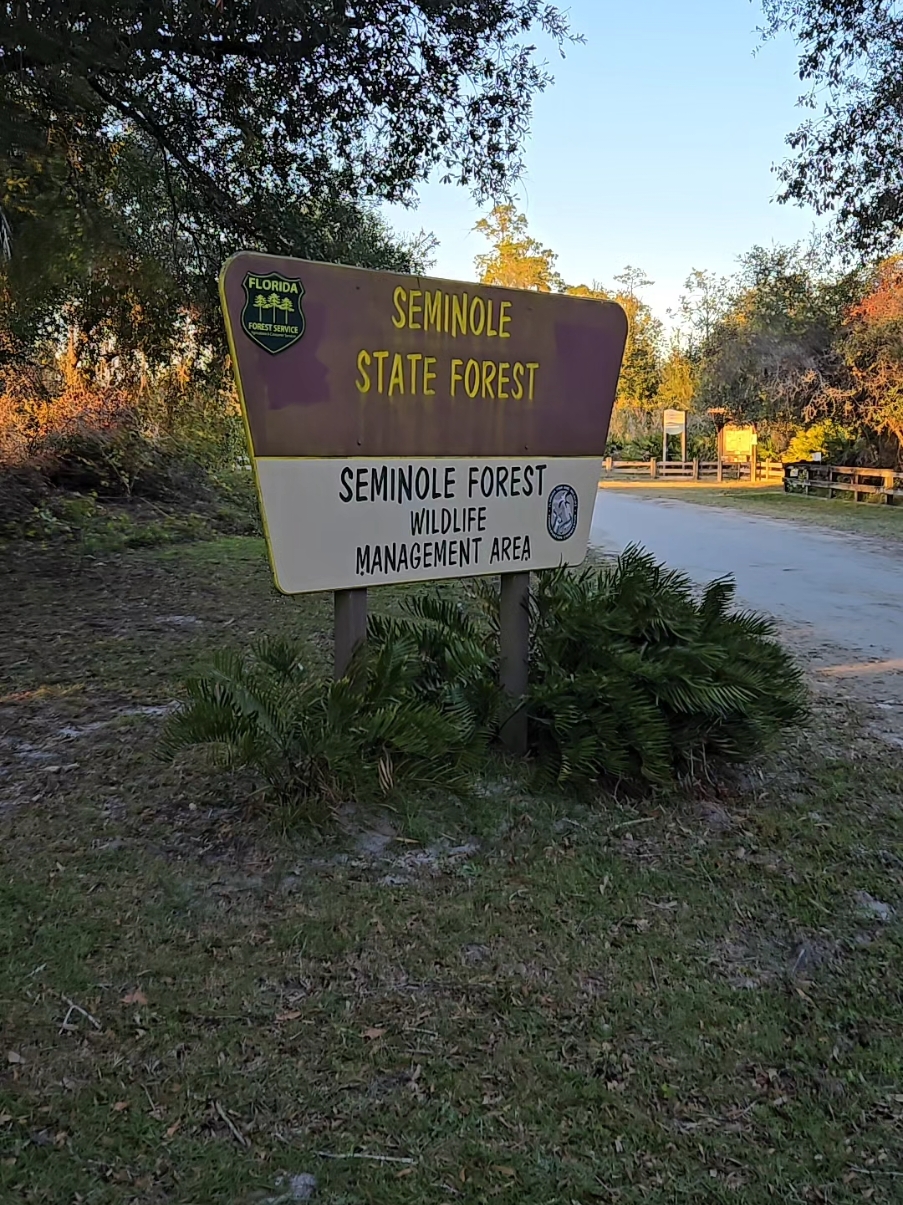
272, 316
562, 520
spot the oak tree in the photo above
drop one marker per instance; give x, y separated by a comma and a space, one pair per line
849, 155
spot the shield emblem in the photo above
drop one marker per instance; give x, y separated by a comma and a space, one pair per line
272, 316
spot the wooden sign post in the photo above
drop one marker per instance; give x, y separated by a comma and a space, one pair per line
514, 657
350, 627
406, 429
674, 422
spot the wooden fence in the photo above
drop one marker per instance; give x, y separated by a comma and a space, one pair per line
835, 480
761, 471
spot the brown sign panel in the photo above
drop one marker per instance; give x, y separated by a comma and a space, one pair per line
344, 362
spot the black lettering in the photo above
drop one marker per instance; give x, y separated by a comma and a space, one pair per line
481, 519
422, 483
501, 486
472, 474
363, 559
402, 557
404, 485
526, 555
528, 480
506, 548
419, 518
449, 481
440, 553
345, 494
416, 554
361, 490
377, 559
487, 488
379, 483
540, 469
494, 555
515, 481
463, 553
390, 557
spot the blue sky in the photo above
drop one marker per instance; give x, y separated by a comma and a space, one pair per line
654, 147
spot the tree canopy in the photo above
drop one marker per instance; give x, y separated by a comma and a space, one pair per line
849, 156
517, 260
255, 109
141, 144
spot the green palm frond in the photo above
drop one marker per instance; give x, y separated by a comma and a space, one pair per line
634, 675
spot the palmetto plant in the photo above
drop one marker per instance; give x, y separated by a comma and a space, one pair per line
635, 675
316, 742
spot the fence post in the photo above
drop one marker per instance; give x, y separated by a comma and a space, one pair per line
608, 463
652, 467
696, 468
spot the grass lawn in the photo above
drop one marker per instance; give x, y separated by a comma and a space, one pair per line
518, 998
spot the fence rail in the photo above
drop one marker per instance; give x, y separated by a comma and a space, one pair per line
832, 480
692, 470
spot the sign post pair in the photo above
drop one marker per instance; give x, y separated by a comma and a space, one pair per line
406, 429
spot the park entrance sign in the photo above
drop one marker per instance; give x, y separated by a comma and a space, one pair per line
404, 428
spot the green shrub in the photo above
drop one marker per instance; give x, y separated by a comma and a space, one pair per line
635, 676
81, 521
457, 658
120, 462
837, 444
315, 742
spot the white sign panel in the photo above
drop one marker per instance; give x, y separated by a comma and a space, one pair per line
335, 524
675, 422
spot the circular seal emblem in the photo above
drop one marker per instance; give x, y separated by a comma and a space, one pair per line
562, 521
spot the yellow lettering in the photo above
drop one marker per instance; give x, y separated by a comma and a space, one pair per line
531, 368
474, 329
446, 326
459, 315
489, 331
455, 374
396, 380
517, 377
414, 309
503, 380
432, 310
399, 297
380, 358
504, 319
489, 370
471, 389
363, 359
428, 376
413, 358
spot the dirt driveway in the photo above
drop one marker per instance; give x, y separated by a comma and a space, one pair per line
838, 597
843, 589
